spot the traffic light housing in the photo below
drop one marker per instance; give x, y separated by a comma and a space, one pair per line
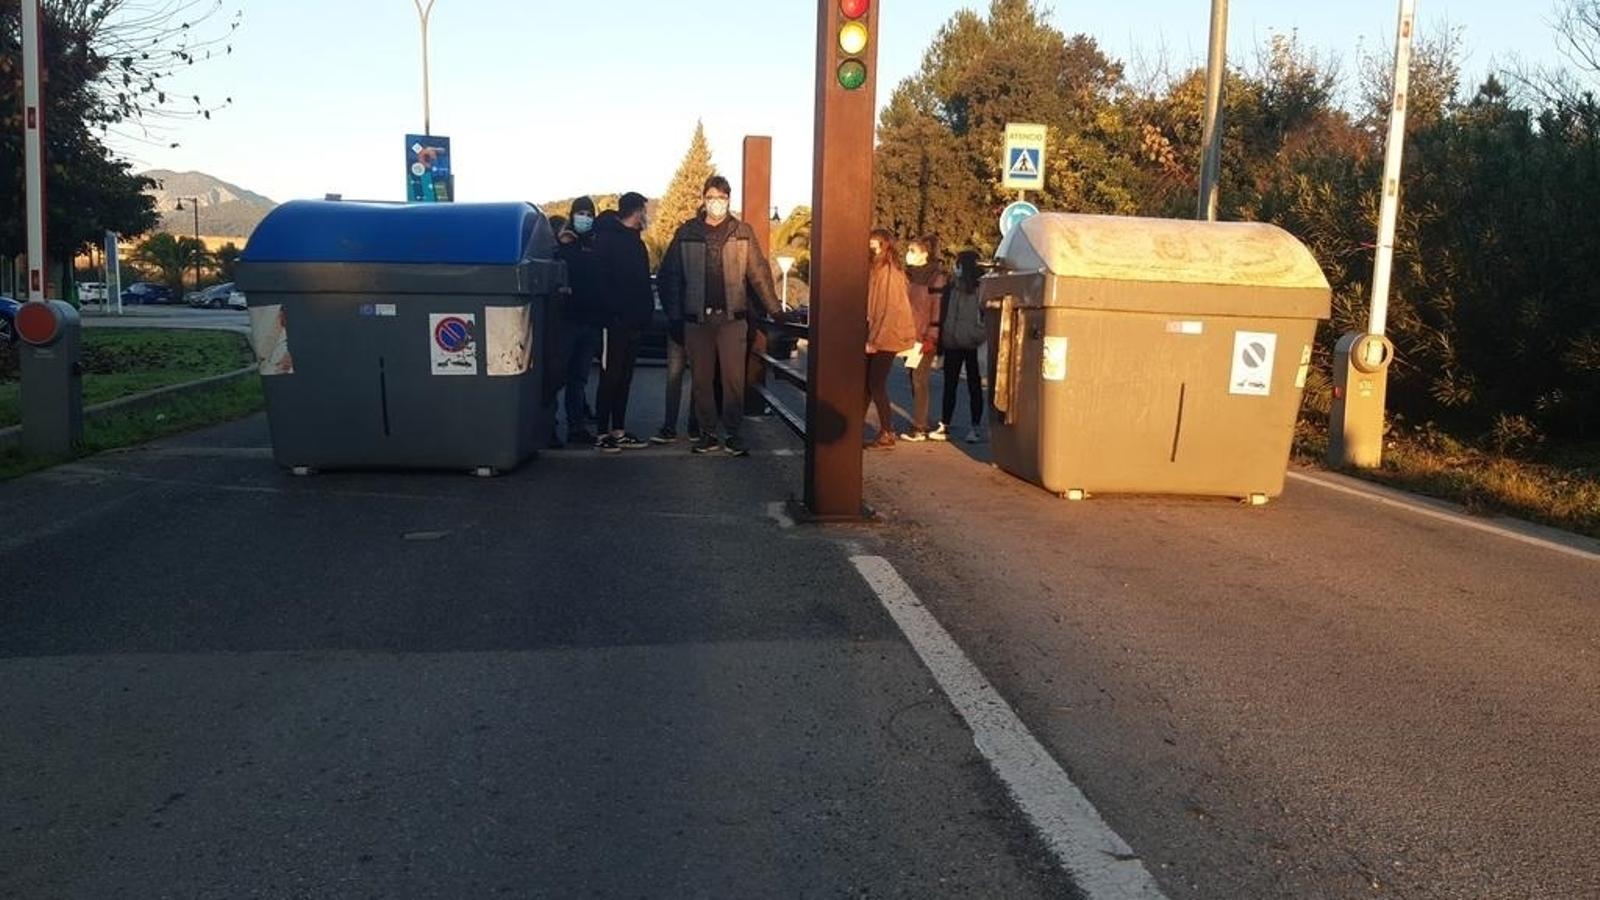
856, 29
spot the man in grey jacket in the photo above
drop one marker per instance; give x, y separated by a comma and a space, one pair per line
713, 279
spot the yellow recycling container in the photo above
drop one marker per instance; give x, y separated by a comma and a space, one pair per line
1150, 356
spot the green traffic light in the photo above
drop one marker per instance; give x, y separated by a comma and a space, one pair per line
852, 74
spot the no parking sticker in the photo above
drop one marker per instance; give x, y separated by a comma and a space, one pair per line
1253, 356
453, 343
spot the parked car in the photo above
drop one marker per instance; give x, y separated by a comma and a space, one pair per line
236, 300
146, 292
8, 320
92, 292
214, 297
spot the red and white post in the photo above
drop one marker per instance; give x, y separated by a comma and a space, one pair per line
33, 143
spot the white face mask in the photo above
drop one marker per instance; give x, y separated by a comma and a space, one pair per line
717, 208
916, 258
582, 224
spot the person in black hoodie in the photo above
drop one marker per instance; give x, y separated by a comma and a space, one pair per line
713, 278
623, 264
581, 317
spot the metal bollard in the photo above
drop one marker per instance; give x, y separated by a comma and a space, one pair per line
52, 377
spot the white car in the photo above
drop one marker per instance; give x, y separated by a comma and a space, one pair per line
236, 300
92, 292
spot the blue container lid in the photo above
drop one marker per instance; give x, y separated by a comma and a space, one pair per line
317, 231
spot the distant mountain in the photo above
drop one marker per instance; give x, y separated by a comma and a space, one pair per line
226, 210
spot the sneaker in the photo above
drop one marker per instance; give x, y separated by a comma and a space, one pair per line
629, 442
706, 444
884, 441
975, 436
914, 437
694, 435
734, 446
942, 433
665, 436
608, 444
582, 437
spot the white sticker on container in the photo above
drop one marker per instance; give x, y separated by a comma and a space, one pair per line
453, 343
1304, 374
1191, 328
509, 332
1055, 359
1253, 355
269, 338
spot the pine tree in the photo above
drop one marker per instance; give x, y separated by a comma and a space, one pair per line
682, 199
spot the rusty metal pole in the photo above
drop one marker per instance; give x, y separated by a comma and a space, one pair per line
756, 186
842, 211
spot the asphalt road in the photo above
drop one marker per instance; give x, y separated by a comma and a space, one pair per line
621, 676
168, 317
597, 676
1327, 697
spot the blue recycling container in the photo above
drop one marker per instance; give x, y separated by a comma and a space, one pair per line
395, 336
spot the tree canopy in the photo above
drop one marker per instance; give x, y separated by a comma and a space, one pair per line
1493, 307
681, 200
112, 67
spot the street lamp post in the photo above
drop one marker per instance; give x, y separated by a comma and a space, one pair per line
785, 263
1216, 72
423, 12
198, 247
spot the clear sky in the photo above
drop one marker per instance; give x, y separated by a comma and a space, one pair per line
545, 99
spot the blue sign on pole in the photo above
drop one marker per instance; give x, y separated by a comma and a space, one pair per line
428, 175
1015, 215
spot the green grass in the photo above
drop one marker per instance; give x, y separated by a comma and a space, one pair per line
211, 406
1562, 490
123, 362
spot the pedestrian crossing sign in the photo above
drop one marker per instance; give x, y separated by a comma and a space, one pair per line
1024, 157
1024, 163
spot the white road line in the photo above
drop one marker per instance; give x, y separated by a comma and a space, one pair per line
779, 512
1399, 500
1101, 863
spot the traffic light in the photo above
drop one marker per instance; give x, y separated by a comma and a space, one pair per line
855, 34
842, 209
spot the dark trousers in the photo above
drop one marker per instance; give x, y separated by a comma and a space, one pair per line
580, 343
879, 365
616, 379
921, 393
954, 362
677, 365
710, 344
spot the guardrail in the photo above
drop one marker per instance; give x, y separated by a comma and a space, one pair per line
784, 371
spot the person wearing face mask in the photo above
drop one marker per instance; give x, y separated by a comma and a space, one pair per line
581, 316
927, 281
623, 263
713, 279
961, 336
891, 330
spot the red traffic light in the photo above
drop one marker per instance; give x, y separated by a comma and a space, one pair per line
854, 9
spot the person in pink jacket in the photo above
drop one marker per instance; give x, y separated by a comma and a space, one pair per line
891, 330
